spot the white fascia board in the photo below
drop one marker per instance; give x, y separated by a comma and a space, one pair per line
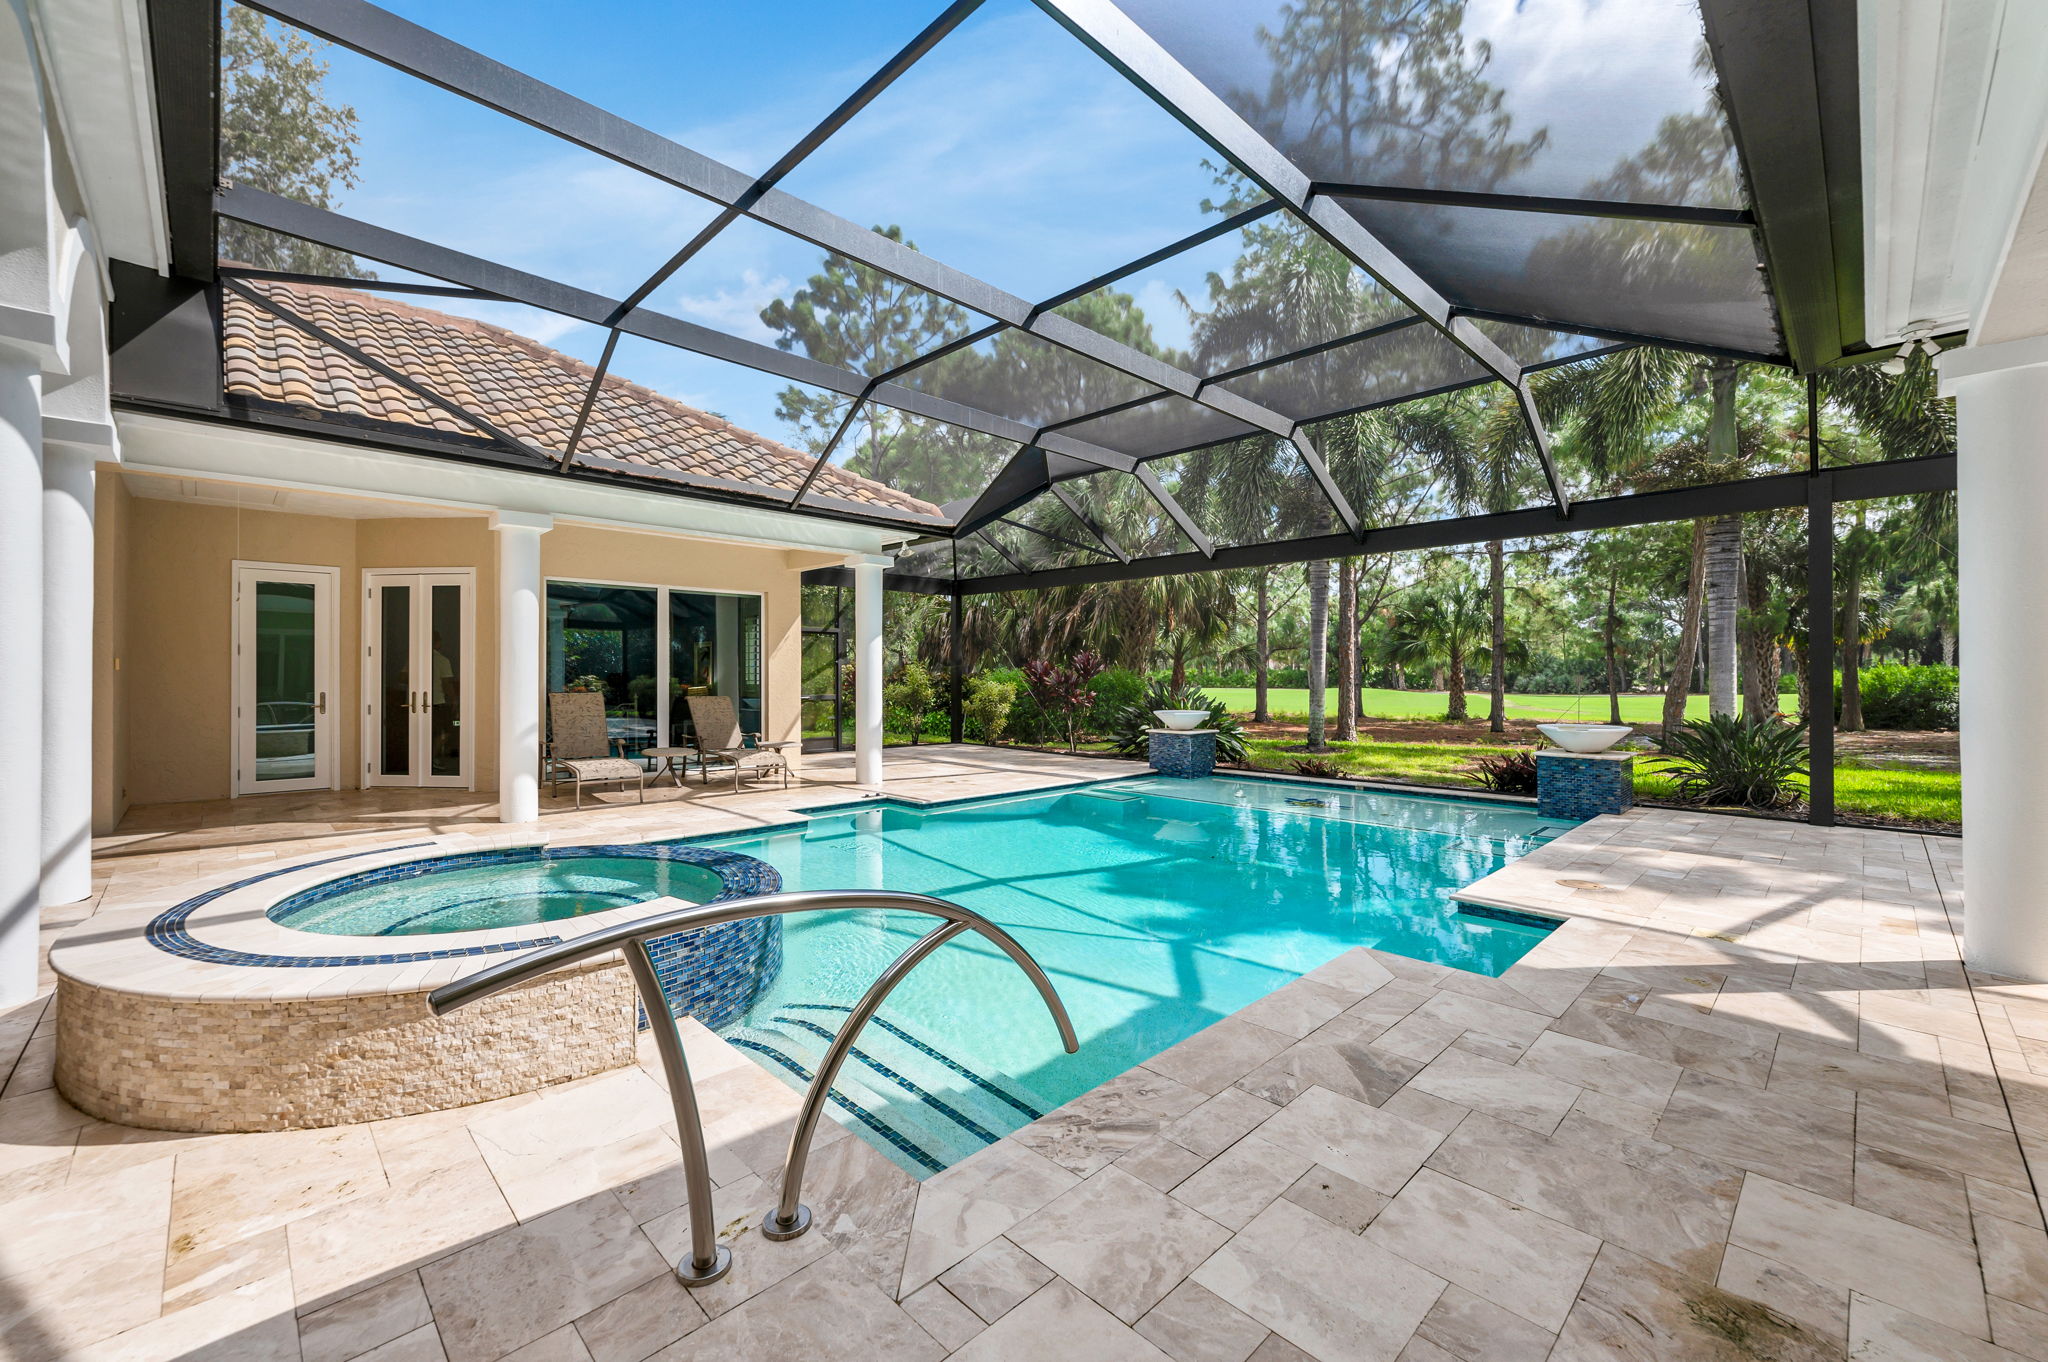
165, 444
97, 53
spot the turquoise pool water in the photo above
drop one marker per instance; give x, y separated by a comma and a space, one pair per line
1157, 907
442, 897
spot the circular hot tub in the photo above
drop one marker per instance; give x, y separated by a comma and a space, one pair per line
297, 996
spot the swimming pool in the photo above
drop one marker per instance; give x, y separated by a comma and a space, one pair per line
1158, 906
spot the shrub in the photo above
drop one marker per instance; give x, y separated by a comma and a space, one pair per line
1896, 696
987, 706
1027, 722
1063, 693
1509, 773
1320, 769
1726, 760
1116, 690
1131, 738
912, 694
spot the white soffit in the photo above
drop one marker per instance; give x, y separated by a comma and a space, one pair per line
204, 451
1954, 111
297, 501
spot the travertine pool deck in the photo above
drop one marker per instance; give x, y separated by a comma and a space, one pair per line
1744, 1104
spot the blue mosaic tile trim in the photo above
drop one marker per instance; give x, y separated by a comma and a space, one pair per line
1509, 915
859, 1112
711, 973
1187, 755
914, 1043
1578, 787
930, 1099
167, 931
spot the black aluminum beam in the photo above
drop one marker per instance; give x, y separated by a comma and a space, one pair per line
328, 228
1532, 203
184, 42
1769, 64
891, 581
1783, 491
1075, 509
1621, 338
597, 373
955, 14
1046, 534
1820, 649
360, 285
405, 46
1141, 60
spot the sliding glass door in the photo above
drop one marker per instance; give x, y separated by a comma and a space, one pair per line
646, 649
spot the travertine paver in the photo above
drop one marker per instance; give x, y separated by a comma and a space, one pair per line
1745, 1103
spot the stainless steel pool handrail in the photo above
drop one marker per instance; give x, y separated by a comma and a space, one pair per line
709, 1260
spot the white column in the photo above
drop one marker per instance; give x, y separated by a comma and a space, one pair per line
867, 669
520, 597
67, 674
2001, 394
21, 663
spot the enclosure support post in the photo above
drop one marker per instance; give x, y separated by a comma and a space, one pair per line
867, 669
1820, 648
956, 653
520, 677
2001, 394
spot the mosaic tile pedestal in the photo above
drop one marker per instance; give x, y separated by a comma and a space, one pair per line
1183, 752
1584, 784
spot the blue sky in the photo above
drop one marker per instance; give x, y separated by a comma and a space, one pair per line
1009, 151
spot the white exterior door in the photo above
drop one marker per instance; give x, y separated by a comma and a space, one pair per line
419, 666
284, 678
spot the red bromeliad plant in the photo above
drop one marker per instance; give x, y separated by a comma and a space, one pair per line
1063, 692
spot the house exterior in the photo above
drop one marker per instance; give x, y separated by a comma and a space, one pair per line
258, 633
246, 549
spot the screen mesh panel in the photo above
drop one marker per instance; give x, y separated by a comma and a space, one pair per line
1165, 424
1108, 174
1385, 368
1679, 280
1018, 375
1542, 97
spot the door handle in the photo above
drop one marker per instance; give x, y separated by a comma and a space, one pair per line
320, 706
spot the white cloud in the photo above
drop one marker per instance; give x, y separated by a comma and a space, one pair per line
736, 308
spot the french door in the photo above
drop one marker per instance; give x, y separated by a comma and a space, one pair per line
419, 662
285, 673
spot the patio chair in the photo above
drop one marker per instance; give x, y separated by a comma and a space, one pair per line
581, 749
718, 737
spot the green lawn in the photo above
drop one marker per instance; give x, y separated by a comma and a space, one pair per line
1430, 704
1921, 796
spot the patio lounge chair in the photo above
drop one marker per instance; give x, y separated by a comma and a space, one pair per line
719, 738
580, 749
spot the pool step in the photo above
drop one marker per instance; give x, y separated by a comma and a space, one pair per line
926, 1109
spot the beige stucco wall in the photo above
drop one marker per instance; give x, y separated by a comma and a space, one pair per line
180, 582
164, 730
109, 650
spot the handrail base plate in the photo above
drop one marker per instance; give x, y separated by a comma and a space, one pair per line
689, 1275
774, 1230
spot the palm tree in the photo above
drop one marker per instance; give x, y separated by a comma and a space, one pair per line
1442, 622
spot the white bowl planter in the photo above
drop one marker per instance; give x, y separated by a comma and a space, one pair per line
1181, 719
1585, 737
